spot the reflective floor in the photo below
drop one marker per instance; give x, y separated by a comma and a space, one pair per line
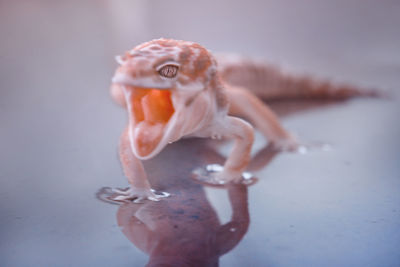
338, 206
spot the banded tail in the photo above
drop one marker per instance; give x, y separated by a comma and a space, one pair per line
270, 83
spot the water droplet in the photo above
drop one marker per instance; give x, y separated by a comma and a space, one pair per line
302, 150
247, 175
214, 168
326, 147
160, 194
209, 175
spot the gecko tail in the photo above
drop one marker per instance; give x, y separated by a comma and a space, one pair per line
270, 83
289, 86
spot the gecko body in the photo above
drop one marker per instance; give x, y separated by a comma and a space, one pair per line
173, 89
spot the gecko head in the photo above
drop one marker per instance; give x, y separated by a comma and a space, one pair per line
163, 84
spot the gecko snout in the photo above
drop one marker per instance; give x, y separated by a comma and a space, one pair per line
123, 78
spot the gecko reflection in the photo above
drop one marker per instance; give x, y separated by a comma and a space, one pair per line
184, 230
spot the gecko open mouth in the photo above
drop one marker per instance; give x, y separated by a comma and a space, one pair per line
150, 111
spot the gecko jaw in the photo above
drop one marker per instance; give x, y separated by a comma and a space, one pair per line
151, 112
150, 83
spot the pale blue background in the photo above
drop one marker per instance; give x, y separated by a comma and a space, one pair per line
59, 128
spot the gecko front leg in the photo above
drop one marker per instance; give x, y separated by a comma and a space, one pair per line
247, 105
134, 171
242, 133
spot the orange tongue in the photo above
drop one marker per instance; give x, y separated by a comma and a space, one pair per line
157, 106
152, 110
146, 137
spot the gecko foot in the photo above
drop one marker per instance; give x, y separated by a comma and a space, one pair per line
214, 175
139, 195
115, 195
288, 143
291, 144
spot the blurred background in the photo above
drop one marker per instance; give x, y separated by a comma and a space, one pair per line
59, 128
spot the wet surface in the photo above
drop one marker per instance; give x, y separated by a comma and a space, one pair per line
59, 134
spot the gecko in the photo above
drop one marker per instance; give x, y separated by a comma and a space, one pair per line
173, 89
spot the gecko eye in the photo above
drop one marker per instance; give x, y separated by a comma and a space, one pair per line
168, 71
